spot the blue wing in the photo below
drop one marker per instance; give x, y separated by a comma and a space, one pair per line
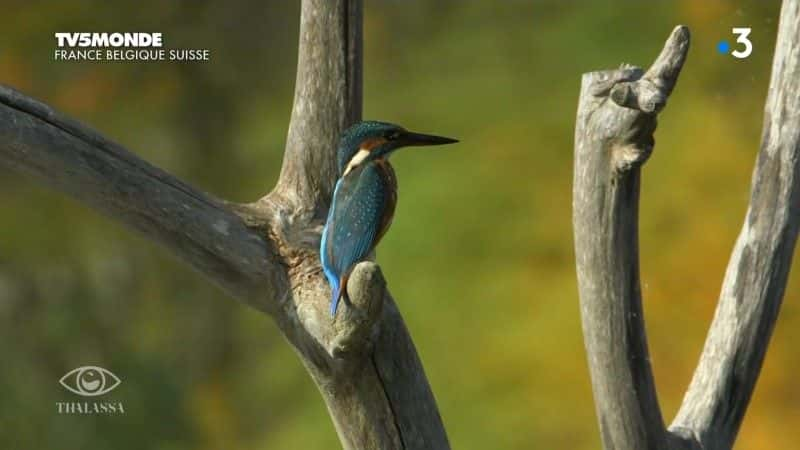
356, 219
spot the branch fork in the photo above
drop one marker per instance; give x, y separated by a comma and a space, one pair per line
613, 137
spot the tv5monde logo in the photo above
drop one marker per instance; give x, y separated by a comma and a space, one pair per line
90, 381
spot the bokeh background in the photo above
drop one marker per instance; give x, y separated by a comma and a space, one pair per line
479, 257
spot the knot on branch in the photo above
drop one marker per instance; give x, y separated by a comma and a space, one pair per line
355, 323
628, 156
648, 91
642, 95
625, 103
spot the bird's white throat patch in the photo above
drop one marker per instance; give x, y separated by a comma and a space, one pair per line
357, 159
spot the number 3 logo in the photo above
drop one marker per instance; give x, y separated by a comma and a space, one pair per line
742, 34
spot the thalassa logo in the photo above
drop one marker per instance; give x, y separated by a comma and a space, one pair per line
90, 381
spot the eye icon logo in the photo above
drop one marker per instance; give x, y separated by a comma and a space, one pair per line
89, 381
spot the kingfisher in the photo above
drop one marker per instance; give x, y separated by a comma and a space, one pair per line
364, 197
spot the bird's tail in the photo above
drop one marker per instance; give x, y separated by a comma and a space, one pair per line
339, 288
337, 294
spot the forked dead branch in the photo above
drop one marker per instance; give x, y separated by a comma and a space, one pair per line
613, 138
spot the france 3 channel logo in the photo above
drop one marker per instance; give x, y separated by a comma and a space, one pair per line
745, 47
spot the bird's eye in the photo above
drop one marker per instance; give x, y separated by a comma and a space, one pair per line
392, 135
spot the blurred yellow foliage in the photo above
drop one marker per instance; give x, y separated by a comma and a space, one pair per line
480, 254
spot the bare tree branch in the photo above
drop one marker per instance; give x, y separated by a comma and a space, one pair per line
196, 227
327, 98
265, 253
613, 137
720, 391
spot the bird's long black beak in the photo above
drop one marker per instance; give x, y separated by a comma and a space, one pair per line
417, 139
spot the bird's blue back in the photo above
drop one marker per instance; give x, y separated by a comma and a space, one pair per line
362, 208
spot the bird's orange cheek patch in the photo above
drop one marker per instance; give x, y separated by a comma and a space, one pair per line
371, 143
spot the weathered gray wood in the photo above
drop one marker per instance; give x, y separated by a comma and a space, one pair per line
613, 137
327, 99
265, 253
201, 230
752, 291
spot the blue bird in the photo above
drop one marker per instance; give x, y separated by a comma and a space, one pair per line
364, 197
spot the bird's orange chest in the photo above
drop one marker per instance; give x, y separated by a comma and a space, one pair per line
387, 173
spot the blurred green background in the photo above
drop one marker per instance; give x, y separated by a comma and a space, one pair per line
479, 257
